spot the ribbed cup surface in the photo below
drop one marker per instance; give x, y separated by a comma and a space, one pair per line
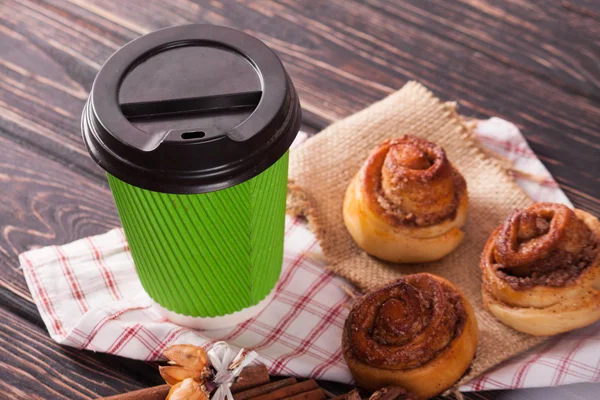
207, 254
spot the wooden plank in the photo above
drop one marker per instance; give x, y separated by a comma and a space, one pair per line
35, 367
41, 203
339, 65
530, 64
515, 33
585, 8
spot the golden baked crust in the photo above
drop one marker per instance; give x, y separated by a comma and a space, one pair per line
419, 333
407, 203
541, 270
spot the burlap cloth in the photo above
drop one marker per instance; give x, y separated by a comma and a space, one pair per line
322, 167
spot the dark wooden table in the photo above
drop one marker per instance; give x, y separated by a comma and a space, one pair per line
536, 63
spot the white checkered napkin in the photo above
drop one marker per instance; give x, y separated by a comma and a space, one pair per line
89, 296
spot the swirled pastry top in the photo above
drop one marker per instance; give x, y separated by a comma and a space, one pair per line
546, 244
411, 182
405, 324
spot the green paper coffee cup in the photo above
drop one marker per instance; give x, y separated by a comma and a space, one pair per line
192, 125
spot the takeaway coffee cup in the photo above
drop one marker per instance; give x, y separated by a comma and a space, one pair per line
193, 125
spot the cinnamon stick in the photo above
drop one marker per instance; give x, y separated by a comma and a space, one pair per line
316, 394
264, 389
153, 393
250, 377
289, 391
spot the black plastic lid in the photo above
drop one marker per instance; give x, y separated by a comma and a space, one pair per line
190, 109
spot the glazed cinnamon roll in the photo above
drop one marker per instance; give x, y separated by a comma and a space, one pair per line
541, 270
407, 203
419, 333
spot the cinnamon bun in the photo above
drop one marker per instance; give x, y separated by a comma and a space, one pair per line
419, 333
407, 203
541, 270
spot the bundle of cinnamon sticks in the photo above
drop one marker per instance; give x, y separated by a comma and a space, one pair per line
249, 378
254, 383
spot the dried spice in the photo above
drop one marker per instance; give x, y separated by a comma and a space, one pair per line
195, 374
187, 361
187, 372
188, 389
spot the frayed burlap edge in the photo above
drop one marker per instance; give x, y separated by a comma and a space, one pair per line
497, 342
